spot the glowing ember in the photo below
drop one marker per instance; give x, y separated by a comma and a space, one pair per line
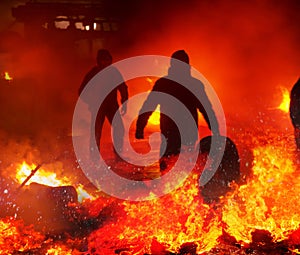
59, 250
285, 103
7, 76
48, 178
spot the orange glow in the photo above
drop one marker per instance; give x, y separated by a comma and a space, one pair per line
176, 219
181, 216
285, 102
170, 221
14, 236
7, 76
48, 178
59, 250
263, 203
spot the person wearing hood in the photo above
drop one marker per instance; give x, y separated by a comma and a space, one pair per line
187, 95
110, 107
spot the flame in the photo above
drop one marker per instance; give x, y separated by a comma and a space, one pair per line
268, 201
263, 203
59, 250
14, 236
155, 117
285, 103
41, 176
7, 76
48, 178
171, 221
181, 216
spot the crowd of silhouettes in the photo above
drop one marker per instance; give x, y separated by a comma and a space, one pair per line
190, 95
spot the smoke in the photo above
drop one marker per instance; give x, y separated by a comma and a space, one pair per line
246, 49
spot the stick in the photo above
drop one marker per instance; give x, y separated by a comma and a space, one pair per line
33, 171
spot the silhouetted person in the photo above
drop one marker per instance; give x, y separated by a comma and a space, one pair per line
295, 111
110, 106
167, 126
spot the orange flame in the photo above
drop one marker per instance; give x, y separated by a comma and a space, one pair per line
14, 236
48, 178
172, 220
155, 116
268, 201
59, 250
285, 103
263, 203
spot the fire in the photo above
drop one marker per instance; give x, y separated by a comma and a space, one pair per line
7, 76
42, 176
155, 117
170, 222
270, 201
285, 103
14, 236
59, 250
48, 178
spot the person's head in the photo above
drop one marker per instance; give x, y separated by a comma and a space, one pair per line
180, 55
104, 58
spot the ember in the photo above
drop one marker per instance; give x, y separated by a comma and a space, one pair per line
7, 76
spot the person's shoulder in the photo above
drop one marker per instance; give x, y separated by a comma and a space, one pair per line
296, 86
113, 68
92, 72
197, 82
160, 82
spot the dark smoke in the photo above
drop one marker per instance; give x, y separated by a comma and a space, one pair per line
246, 49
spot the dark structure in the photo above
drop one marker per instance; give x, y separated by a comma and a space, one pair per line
227, 172
295, 111
68, 22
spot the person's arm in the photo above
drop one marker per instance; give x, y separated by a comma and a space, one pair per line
208, 113
141, 124
86, 79
123, 89
145, 112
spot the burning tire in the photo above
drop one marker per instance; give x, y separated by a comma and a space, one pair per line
227, 172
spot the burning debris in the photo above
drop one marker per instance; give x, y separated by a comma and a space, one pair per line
254, 217
227, 172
